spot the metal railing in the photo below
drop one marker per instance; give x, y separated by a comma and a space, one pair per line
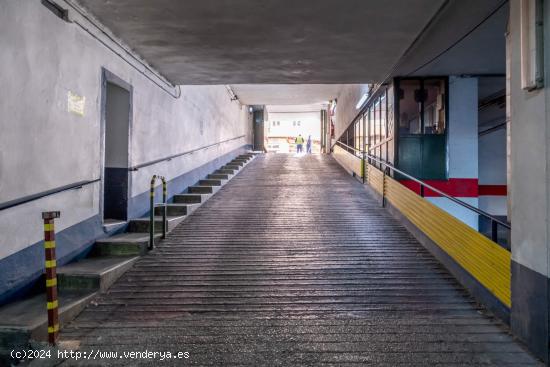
40, 195
495, 222
348, 148
153, 207
169, 158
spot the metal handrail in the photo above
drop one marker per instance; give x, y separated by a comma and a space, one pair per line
152, 212
349, 147
494, 221
424, 184
40, 195
150, 163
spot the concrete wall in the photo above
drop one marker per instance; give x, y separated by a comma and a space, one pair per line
492, 170
45, 145
462, 148
529, 194
345, 109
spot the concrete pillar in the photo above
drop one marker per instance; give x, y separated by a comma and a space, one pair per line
462, 148
529, 194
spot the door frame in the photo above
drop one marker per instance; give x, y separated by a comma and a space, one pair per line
109, 77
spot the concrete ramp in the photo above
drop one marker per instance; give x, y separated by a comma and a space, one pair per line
291, 263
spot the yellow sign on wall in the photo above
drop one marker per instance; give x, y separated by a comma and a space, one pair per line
76, 103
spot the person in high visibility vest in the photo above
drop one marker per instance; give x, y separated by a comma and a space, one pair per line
299, 143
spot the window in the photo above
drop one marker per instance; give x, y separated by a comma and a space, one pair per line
383, 127
371, 125
422, 107
434, 106
422, 121
531, 43
377, 122
360, 133
409, 107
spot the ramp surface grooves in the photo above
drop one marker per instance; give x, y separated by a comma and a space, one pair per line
291, 263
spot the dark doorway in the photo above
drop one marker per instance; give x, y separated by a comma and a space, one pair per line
258, 121
117, 125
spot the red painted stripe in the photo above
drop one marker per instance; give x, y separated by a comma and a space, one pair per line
456, 187
493, 190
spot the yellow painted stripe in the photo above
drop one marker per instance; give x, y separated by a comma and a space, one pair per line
485, 260
52, 305
50, 264
51, 282
53, 329
48, 227
49, 244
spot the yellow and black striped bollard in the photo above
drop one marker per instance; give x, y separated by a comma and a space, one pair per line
51, 275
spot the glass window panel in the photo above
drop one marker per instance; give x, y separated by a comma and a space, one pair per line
383, 130
377, 122
409, 107
434, 106
389, 109
371, 123
361, 133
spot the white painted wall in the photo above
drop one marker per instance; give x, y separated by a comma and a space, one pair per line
458, 211
44, 146
462, 143
530, 155
463, 128
492, 170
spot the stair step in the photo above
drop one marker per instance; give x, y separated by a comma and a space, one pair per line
210, 182
224, 171
237, 163
94, 273
27, 319
218, 176
141, 225
231, 166
123, 244
175, 209
201, 189
190, 198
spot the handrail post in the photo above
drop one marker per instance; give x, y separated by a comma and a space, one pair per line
384, 172
363, 167
421, 190
494, 231
51, 276
152, 213
164, 198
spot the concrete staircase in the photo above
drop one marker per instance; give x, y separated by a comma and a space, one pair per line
108, 260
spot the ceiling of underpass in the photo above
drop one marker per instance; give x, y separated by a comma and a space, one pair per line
283, 52
267, 41
285, 94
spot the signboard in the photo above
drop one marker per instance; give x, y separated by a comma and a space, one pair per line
75, 103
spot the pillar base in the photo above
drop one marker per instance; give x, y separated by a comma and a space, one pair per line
530, 309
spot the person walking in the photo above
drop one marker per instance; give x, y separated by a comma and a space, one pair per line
308, 145
299, 143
